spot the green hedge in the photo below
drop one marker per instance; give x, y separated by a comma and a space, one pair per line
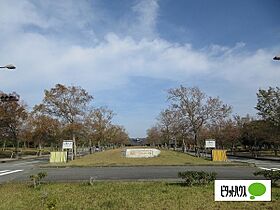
197, 177
274, 176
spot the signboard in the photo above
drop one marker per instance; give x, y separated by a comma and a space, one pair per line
210, 143
242, 190
67, 144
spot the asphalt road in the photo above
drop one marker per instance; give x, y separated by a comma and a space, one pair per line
261, 164
18, 169
21, 170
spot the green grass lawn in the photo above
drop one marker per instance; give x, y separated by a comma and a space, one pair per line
121, 196
115, 158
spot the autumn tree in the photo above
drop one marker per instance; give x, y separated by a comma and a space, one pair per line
117, 135
258, 133
173, 126
226, 132
98, 122
68, 104
165, 123
268, 105
154, 135
12, 116
25, 134
197, 108
44, 129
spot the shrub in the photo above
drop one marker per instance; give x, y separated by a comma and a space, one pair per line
92, 180
274, 176
36, 179
197, 177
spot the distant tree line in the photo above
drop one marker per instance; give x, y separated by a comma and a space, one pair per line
192, 117
64, 113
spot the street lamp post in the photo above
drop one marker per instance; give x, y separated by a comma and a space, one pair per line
276, 58
10, 97
9, 66
4, 98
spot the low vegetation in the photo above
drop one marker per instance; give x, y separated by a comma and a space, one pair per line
36, 178
10, 152
114, 158
274, 176
197, 177
121, 195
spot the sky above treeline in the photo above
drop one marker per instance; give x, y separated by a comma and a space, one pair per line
128, 53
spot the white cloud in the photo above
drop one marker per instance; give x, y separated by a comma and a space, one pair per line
44, 59
146, 16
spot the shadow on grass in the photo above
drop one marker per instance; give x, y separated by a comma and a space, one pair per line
183, 184
179, 184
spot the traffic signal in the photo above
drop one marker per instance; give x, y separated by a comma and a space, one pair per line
8, 98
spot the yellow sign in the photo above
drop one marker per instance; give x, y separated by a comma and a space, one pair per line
219, 155
58, 157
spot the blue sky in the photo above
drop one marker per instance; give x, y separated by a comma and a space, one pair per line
128, 53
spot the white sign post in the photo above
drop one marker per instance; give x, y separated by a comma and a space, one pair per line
68, 145
210, 143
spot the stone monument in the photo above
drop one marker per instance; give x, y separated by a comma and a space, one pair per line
141, 153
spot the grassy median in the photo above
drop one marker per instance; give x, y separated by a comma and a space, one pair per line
121, 195
166, 157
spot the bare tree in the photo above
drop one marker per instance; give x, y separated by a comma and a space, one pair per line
165, 120
154, 135
197, 108
173, 126
117, 135
98, 122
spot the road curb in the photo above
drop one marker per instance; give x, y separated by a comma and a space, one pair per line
23, 158
257, 158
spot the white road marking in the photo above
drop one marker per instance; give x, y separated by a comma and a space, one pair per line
4, 171
10, 172
264, 165
270, 169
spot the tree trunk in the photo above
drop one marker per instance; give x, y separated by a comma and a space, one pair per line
184, 146
233, 149
74, 146
197, 150
40, 149
4, 145
90, 146
17, 146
